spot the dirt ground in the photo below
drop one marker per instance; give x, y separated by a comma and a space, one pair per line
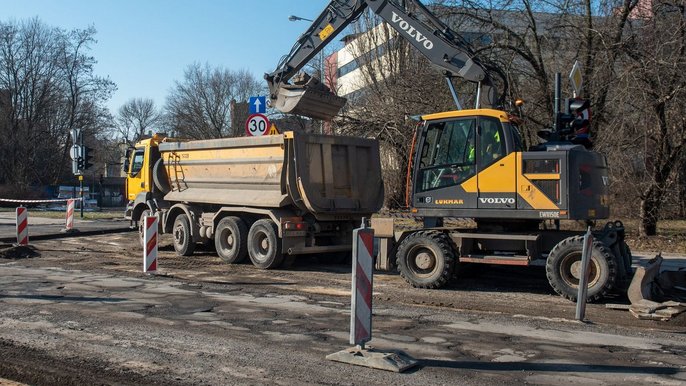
79, 310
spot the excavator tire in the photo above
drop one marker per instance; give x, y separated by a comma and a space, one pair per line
563, 268
426, 259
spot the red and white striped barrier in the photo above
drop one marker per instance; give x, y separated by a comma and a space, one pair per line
361, 312
70, 215
150, 247
361, 302
22, 226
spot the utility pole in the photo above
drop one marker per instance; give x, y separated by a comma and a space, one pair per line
81, 178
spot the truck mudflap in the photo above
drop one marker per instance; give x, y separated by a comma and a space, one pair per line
308, 97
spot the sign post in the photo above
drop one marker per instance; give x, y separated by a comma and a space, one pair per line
69, 225
361, 312
150, 247
583, 277
22, 226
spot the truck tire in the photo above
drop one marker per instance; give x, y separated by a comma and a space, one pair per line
264, 245
426, 259
181, 234
563, 269
230, 240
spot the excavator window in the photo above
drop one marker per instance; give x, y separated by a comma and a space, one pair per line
491, 141
448, 154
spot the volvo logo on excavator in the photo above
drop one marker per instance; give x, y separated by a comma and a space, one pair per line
405, 26
497, 200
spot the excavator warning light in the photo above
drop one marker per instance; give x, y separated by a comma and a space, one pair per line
519, 102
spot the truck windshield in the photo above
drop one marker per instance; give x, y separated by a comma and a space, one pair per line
137, 161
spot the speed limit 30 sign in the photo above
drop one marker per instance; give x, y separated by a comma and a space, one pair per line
256, 125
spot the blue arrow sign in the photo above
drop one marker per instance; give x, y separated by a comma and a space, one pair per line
258, 105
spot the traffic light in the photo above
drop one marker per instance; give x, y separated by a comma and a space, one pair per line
87, 157
576, 115
75, 169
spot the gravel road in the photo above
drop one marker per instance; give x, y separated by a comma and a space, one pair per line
81, 312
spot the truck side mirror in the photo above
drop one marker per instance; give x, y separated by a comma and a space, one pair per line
125, 161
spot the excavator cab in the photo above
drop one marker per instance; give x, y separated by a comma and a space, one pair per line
306, 96
465, 161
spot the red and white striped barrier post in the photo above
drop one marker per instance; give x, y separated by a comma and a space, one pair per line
361, 302
70, 215
22, 226
150, 247
361, 312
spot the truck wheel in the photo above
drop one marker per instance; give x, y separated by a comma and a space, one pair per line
230, 239
181, 233
141, 226
426, 259
563, 269
264, 245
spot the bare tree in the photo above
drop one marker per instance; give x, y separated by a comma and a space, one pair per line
135, 117
48, 87
650, 120
200, 105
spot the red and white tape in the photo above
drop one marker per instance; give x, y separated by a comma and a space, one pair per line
361, 302
36, 201
22, 226
150, 247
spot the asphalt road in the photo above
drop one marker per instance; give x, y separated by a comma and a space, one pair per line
81, 312
42, 228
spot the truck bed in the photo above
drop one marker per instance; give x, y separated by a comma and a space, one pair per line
322, 174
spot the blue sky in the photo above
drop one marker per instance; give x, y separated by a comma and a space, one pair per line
145, 45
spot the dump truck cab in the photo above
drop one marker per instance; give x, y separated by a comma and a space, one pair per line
139, 165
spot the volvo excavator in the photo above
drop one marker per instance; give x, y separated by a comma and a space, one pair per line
471, 163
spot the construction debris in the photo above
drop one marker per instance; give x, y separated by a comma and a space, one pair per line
657, 295
12, 251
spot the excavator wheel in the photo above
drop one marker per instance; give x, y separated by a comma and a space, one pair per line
563, 269
426, 259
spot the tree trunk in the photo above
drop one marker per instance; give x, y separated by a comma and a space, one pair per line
650, 208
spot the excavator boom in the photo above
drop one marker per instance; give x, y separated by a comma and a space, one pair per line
310, 97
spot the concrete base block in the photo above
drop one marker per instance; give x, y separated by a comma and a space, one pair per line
393, 360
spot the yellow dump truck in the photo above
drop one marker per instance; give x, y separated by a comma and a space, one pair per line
270, 198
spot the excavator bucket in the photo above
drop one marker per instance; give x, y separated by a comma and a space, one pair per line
308, 98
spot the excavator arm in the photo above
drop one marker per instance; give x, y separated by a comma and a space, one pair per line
309, 97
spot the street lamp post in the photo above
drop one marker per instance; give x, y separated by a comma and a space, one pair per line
321, 64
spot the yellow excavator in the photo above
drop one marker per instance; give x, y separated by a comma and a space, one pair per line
471, 163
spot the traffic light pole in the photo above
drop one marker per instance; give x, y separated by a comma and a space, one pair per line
81, 183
